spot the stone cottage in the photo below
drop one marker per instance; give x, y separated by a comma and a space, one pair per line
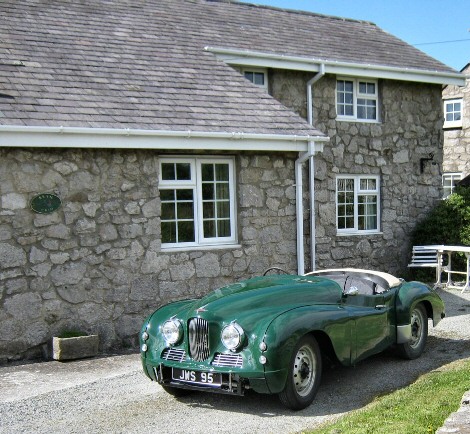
152, 151
456, 165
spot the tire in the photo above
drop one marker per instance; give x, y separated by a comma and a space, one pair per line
176, 391
304, 375
419, 334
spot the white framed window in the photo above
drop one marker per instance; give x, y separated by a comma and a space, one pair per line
357, 100
257, 76
197, 201
357, 204
453, 113
449, 180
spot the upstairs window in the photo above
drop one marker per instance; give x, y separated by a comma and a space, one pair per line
357, 99
449, 180
357, 204
197, 202
453, 113
258, 77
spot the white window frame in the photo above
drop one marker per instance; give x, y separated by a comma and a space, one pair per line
257, 71
357, 95
359, 192
195, 184
453, 177
454, 123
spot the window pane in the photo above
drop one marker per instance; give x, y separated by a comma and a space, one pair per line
366, 109
168, 171
185, 232
223, 228
168, 232
185, 210
209, 229
367, 88
223, 191
367, 212
368, 184
259, 79
184, 194
183, 171
167, 195
223, 209
207, 172
345, 97
208, 210
168, 211
222, 172
249, 75
208, 191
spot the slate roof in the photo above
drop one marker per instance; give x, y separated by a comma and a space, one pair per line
141, 64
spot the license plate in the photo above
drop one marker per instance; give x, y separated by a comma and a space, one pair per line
197, 377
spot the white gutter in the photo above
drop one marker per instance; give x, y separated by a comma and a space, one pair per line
270, 60
310, 84
113, 138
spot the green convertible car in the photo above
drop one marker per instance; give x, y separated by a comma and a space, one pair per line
271, 333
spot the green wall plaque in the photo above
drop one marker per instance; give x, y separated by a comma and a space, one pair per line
45, 203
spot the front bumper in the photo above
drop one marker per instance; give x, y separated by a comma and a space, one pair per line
233, 383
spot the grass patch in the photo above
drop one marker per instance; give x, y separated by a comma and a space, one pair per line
420, 408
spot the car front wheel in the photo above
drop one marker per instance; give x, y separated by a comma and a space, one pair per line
419, 334
304, 375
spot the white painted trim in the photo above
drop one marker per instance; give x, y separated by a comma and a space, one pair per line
269, 60
109, 138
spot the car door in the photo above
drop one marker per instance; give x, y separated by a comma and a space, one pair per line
372, 323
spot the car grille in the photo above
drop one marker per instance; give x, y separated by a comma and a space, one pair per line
228, 360
174, 354
198, 332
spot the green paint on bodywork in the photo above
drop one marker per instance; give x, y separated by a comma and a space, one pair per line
279, 310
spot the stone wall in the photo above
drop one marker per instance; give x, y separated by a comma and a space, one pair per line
96, 264
457, 140
410, 128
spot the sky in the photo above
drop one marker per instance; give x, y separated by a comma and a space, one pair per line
440, 28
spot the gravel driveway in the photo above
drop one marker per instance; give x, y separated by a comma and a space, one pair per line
111, 395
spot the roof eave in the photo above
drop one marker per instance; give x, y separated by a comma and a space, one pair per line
12, 136
270, 60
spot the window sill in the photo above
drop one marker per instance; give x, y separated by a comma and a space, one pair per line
357, 234
454, 126
358, 121
201, 248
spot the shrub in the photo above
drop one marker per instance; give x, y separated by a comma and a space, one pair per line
448, 223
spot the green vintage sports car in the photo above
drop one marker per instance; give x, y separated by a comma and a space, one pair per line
271, 333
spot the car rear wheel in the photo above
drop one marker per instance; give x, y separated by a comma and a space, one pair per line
419, 334
304, 375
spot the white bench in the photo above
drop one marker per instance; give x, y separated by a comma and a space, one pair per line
426, 257
431, 257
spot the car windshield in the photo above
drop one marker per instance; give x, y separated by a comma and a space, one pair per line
365, 283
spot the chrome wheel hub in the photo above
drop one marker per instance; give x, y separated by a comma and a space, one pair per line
304, 370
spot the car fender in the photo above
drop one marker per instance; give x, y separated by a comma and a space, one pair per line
409, 295
286, 329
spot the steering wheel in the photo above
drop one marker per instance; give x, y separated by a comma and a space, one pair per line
276, 269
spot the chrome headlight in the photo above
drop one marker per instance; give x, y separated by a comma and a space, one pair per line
172, 331
232, 336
